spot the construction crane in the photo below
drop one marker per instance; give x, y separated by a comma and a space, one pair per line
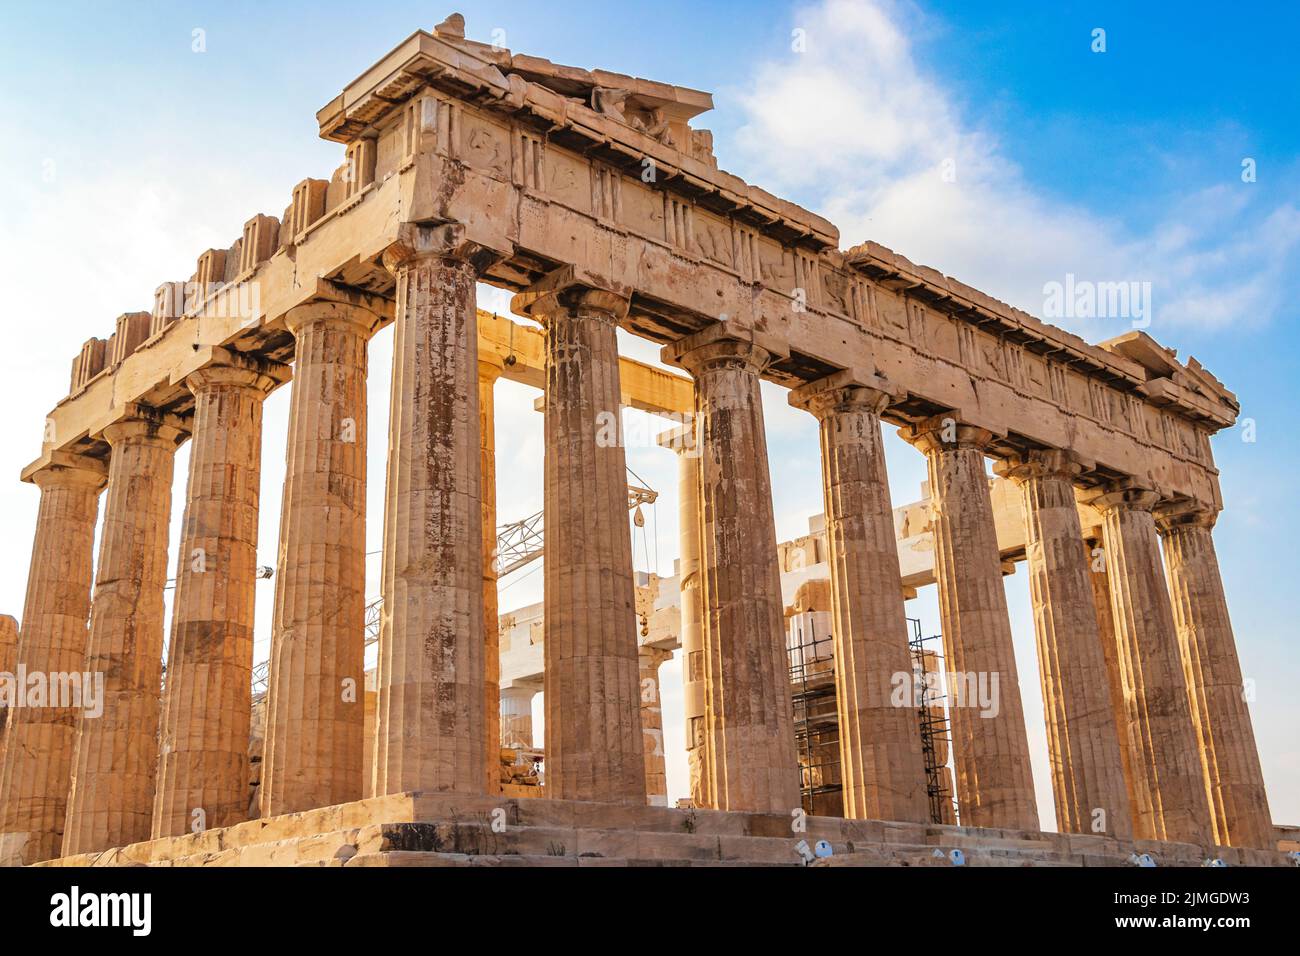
518, 544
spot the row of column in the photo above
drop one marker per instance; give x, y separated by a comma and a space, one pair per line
1148, 730
73, 784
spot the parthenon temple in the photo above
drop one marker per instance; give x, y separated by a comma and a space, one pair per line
596, 202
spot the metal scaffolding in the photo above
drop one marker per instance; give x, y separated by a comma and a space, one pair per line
936, 736
816, 719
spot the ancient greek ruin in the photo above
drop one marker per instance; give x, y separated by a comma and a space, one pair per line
596, 200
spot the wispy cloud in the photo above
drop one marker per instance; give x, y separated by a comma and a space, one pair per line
859, 130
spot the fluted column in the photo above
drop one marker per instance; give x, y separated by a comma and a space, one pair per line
370, 727
490, 368
995, 786
8, 644
432, 667
316, 688
593, 721
207, 706
517, 717
8, 665
1168, 781
691, 601
1083, 737
652, 726
1095, 554
747, 698
882, 768
39, 741
110, 799
1230, 759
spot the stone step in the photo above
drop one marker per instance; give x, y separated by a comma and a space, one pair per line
415, 858
924, 855
464, 842
567, 814
454, 830
478, 839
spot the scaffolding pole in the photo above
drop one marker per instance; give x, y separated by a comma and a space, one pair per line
934, 728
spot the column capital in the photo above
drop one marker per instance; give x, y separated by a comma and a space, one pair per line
653, 656
415, 244
341, 315
602, 303
681, 439
720, 344
143, 424
569, 289
1172, 516
491, 366
541, 305
66, 468
849, 389
520, 691
236, 368
1125, 493
946, 432
1041, 463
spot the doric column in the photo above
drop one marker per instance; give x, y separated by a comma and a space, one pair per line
316, 687
39, 741
652, 726
8, 665
995, 786
1083, 736
517, 717
1229, 757
8, 644
881, 764
1095, 554
490, 368
110, 799
746, 668
431, 647
207, 705
1168, 783
370, 727
593, 721
691, 601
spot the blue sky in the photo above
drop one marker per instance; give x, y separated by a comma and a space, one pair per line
128, 153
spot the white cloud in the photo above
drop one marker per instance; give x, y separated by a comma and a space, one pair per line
862, 133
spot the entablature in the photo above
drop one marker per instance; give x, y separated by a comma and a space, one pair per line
441, 131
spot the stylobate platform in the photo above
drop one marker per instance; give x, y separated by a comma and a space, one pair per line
435, 829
